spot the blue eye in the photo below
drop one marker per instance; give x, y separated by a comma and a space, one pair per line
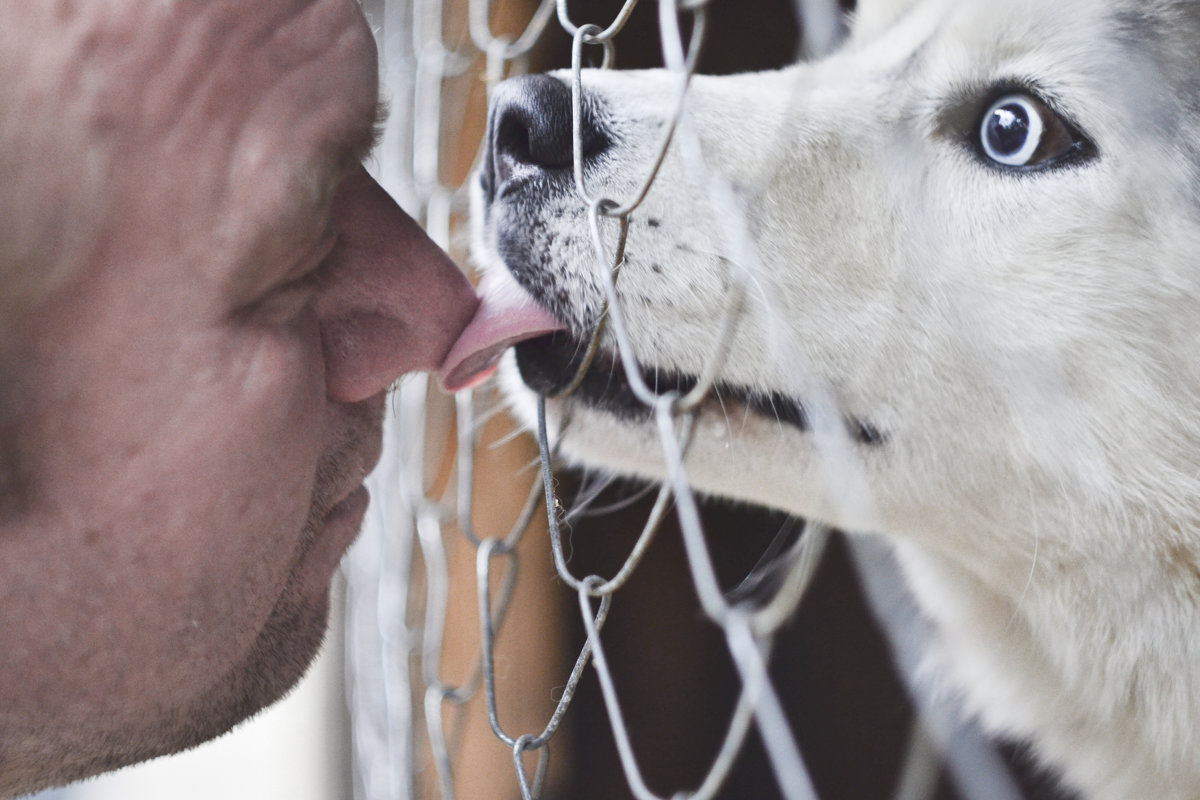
1013, 130
1020, 131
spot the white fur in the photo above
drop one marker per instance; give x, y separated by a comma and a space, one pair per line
1028, 345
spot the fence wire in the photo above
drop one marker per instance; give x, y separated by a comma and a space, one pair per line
433, 53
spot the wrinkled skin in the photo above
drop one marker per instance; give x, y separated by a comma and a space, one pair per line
214, 300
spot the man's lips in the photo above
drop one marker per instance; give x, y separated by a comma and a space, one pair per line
340, 497
334, 533
350, 509
506, 315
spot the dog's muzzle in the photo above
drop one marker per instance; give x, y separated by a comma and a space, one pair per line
530, 155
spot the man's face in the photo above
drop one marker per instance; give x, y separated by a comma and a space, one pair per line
197, 389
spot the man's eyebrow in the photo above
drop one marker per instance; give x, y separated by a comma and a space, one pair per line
355, 148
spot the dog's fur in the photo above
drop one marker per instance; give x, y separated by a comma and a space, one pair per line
1022, 346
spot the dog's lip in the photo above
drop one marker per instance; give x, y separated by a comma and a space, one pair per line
507, 314
549, 363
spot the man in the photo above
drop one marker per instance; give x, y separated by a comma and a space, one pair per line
205, 299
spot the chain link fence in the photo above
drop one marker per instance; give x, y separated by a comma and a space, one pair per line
408, 731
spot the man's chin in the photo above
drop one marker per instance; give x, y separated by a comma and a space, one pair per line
282, 653
288, 641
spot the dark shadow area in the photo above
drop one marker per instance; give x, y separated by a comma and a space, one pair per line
744, 36
678, 687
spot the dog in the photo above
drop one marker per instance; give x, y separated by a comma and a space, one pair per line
969, 321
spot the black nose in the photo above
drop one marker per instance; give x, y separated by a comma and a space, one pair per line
529, 132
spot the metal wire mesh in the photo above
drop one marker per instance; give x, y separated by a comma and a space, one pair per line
398, 574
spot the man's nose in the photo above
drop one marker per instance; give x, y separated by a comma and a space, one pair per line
391, 302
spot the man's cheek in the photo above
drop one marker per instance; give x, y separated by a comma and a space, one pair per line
278, 428
252, 493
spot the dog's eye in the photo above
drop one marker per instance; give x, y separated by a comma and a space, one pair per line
1019, 130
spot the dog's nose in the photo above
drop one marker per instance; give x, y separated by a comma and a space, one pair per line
530, 131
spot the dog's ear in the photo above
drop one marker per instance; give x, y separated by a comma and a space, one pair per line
869, 17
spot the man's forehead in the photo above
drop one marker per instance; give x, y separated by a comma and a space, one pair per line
181, 105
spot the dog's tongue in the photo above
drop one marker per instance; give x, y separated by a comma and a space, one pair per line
506, 315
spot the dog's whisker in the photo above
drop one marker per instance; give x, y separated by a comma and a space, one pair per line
623, 503
508, 438
724, 411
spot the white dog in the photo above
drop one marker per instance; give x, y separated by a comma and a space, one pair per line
972, 324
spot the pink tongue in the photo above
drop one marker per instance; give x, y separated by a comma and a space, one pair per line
506, 315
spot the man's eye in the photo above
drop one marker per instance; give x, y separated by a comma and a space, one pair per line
285, 303
1019, 131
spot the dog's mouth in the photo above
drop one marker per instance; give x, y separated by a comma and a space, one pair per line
550, 359
550, 364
